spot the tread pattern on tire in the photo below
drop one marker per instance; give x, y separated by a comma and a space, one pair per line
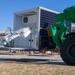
63, 51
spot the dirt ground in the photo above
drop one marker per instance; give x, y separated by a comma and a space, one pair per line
15, 68
8, 68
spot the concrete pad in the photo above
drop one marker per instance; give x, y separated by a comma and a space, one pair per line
26, 57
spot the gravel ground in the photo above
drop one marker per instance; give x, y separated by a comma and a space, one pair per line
8, 68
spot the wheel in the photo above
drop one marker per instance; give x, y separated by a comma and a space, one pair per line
67, 51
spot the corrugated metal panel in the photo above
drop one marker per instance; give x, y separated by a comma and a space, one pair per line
47, 18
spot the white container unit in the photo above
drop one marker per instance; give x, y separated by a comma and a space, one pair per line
33, 19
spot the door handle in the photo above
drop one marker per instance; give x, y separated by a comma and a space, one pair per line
30, 40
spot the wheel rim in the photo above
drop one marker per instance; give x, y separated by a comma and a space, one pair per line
71, 50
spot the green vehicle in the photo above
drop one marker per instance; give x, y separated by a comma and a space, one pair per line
64, 40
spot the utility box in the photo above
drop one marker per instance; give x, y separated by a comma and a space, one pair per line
37, 19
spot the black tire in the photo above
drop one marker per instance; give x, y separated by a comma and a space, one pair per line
67, 51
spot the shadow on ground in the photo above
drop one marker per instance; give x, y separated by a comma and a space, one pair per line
34, 62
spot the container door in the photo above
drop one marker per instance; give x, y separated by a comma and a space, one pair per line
33, 41
32, 36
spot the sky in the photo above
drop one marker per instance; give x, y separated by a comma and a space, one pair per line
9, 7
